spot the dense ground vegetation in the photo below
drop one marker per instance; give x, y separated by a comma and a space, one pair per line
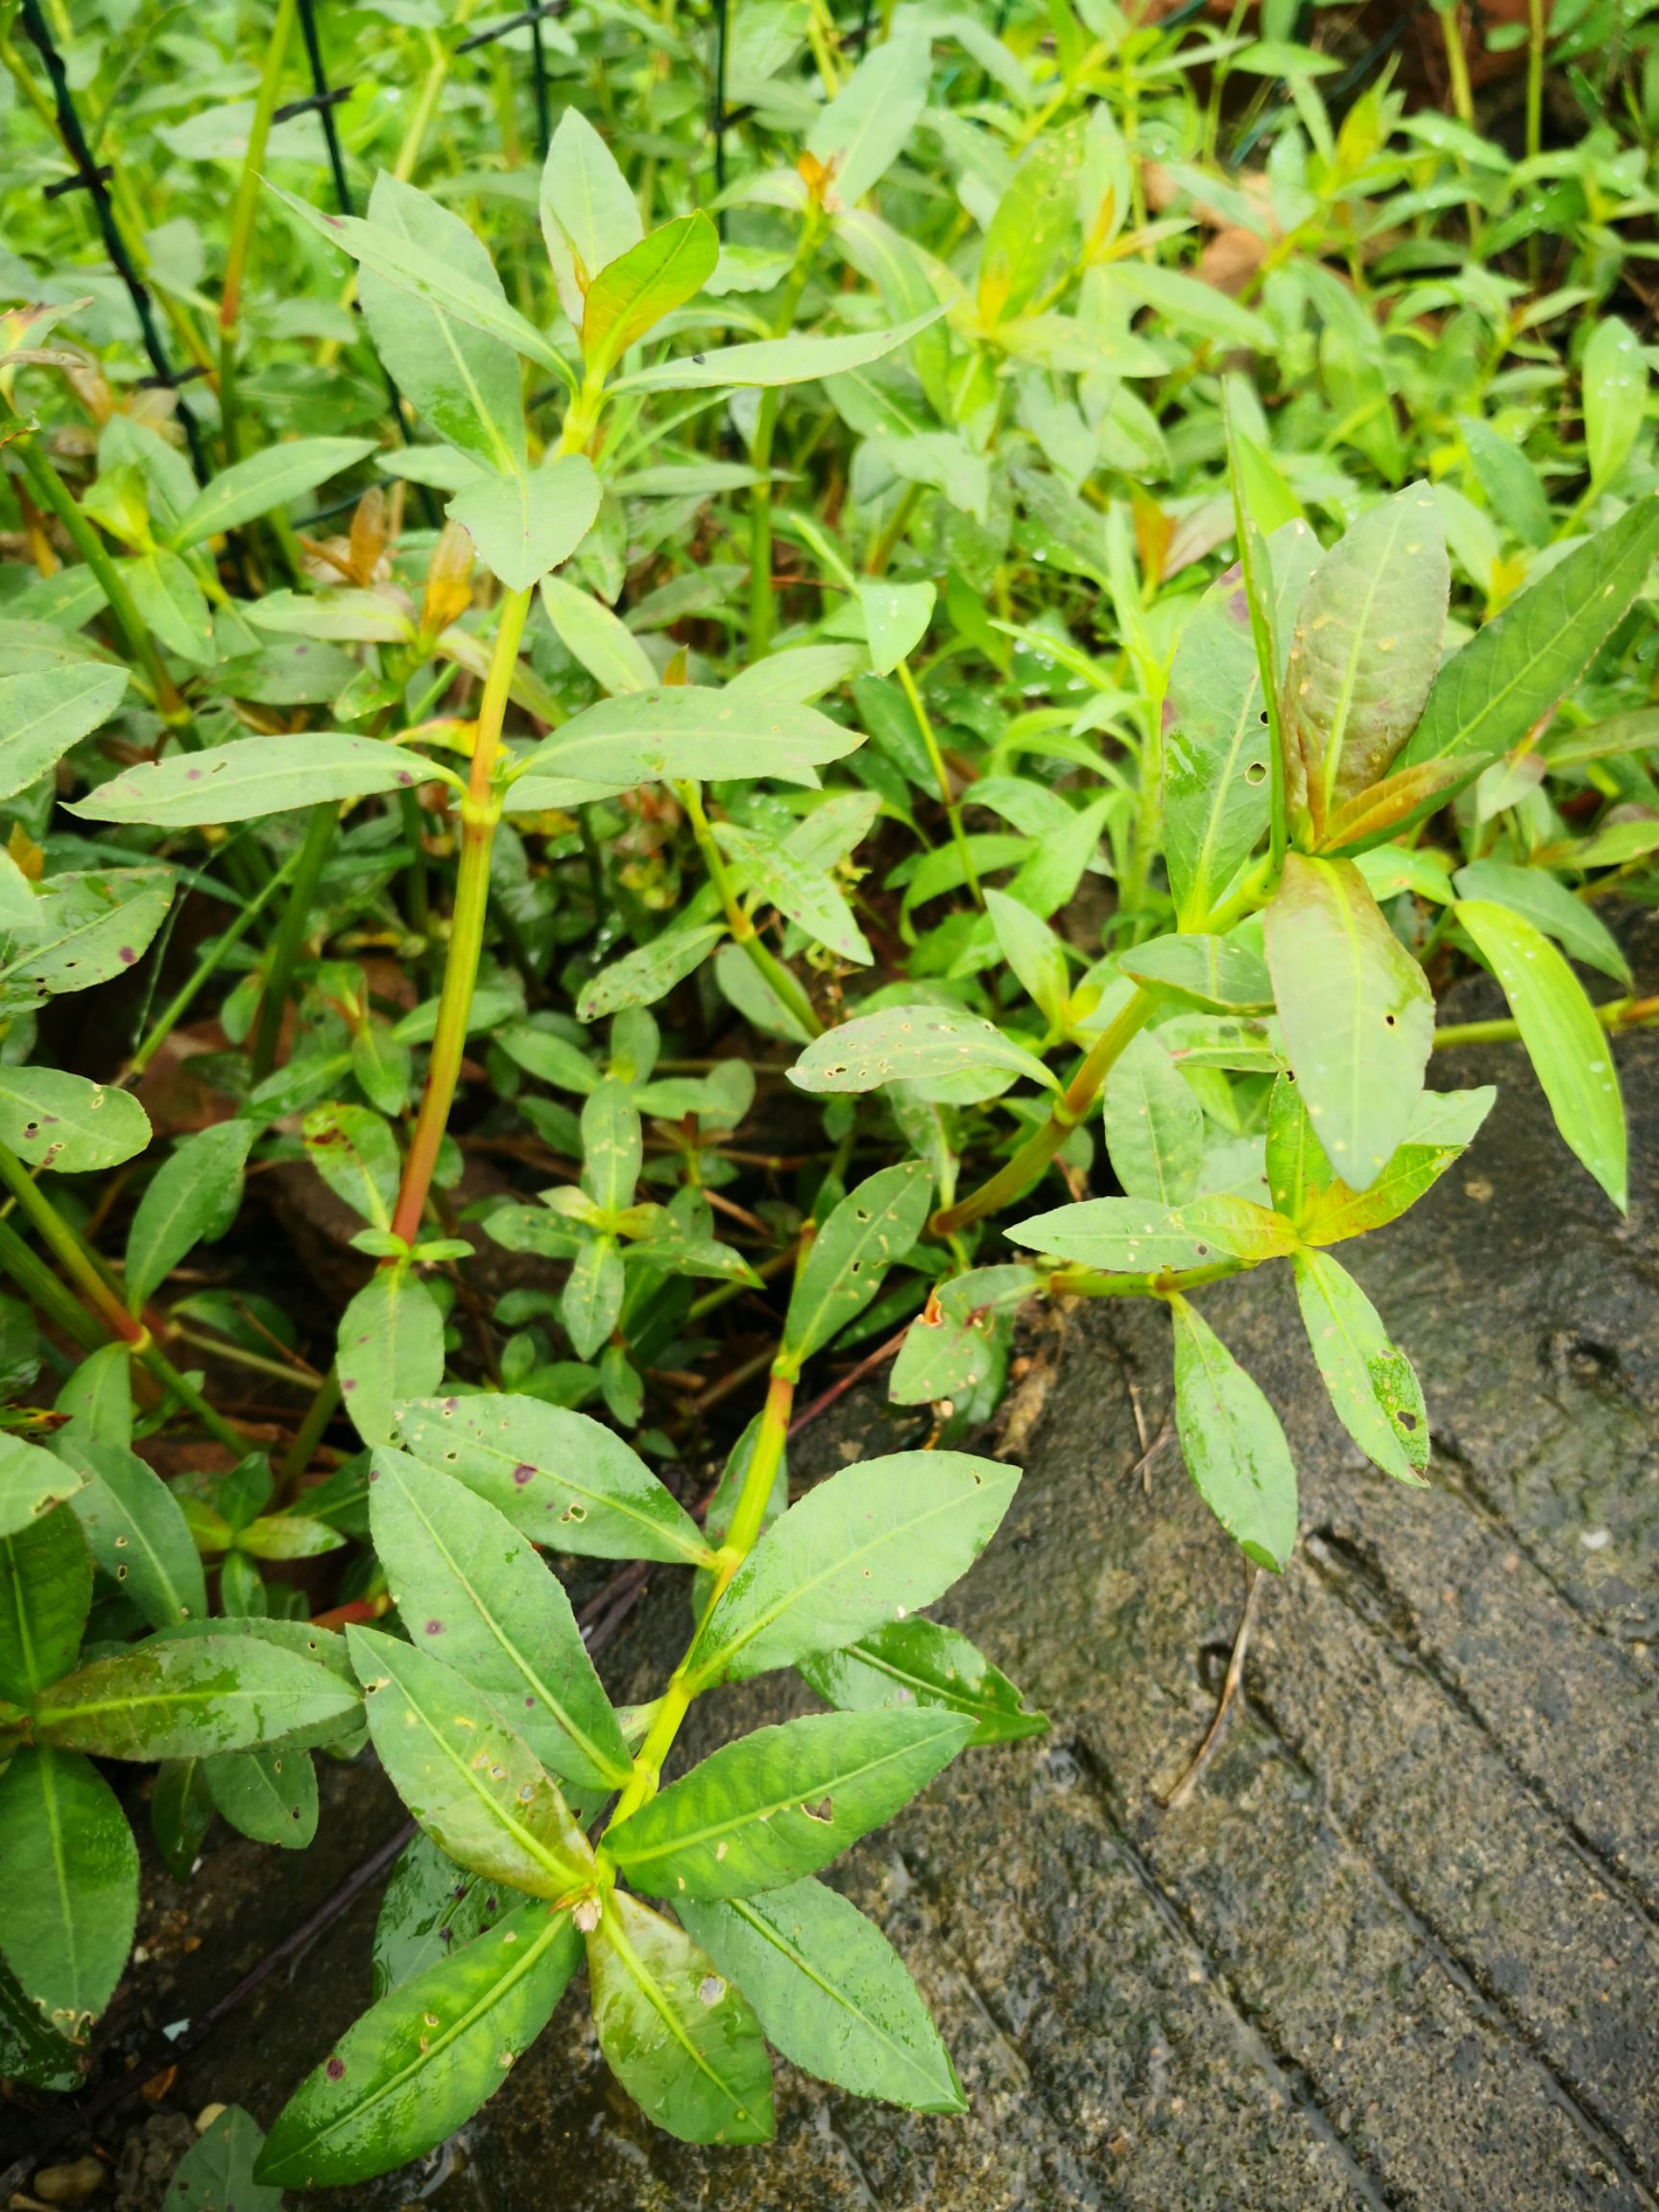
697, 702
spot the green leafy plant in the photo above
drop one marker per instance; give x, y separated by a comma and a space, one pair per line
926, 732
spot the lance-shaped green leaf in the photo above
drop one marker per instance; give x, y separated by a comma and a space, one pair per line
51, 1119
896, 619
873, 1544
31, 1482
251, 488
1519, 666
830, 1993
649, 973
1371, 1381
182, 1696
474, 1786
861, 133
1365, 651
683, 2040
612, 1146
957, 1344
904, 1044
431, 1907
1033, 950
772, 360
465, 382
782, 1802
1154, 1125
45, 1594
44, 712
267, 1795
591, 1303
1297, 1168
1545, 901
1234, 1447
1128, 1237
84, 929
921, 1662
872, 1227
471, 1589
137, 1531
71, 1885
181, 1814
430, 278
569, 1482
689, 730
588, 213
172, 605
357, 1155
1570, 1050
633, 293
216, 2174
602, 641
1356, 1012
805, 894
1615, 378
1443, 1124
254, 776
1202, 971
192, 1199
523, 525
418, 2064
391, 1347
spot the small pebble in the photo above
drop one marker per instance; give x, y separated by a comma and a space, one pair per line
68, 2185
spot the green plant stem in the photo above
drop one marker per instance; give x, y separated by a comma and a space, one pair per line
1017, 1175
1457, 66
242, 215
936, 760
36, 1280
309, 1433
290, 939
1537, 34
777, 977
178, 1006
762, 607
1099, 1282
102, 1302
1616, 1015
747, 1522
480, 811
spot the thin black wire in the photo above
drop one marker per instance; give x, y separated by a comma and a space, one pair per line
717, 115
93, 178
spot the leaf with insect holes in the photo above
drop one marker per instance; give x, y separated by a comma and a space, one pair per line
806, 896
183, 1697
391, 1348
955, 1343
683, 2040
1234, 1447
1365, 651
521, 526
31, 1482
1131, 1236
1371, 1383
471, 1781
54, 1119
569, 1482
250, 777
831, 1992
1154, 1125
873, 1544
689, 730
1570, 1052
653, 276
872, 1227
1202, 971
470, 1586
270, 1796
1520, 665
465, 382
903, 1043
192, 1199
1355, 1011
921, 1662
44, 712
136, 1529
251, 488
773, 361
782, 1802
649, 973
45, 1593
421, 2063
71, 1885
83, 929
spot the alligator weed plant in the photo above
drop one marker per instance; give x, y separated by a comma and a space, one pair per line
922, 735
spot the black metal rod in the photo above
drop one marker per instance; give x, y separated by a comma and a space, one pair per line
718, 116
89, 174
